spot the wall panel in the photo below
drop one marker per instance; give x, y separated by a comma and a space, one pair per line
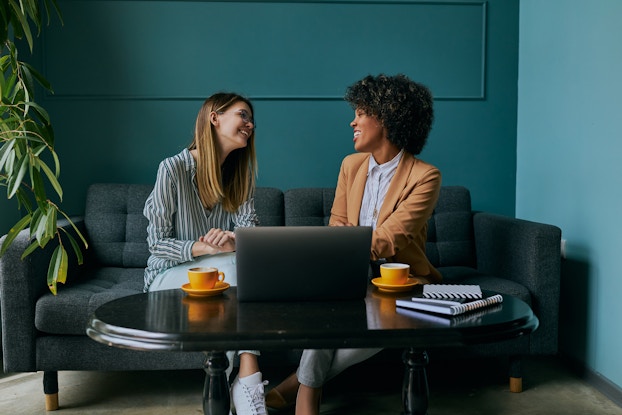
285, 50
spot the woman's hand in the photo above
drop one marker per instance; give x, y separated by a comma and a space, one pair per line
215, 241
340, 223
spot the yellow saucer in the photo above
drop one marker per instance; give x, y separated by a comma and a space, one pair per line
410, 283
218, 288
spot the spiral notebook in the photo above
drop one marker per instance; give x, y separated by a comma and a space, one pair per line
466, 319
448, 307
445, 291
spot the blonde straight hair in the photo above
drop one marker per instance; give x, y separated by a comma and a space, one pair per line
234, 182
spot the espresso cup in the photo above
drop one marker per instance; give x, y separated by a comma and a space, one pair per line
204, 278
394, 273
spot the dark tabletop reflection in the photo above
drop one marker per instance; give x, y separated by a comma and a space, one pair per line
383, 314
174, 312
164, 312
172, 320
291, 317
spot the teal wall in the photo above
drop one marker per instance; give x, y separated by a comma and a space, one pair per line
569, 169
130, 76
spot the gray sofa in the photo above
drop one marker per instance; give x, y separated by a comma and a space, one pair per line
42, 332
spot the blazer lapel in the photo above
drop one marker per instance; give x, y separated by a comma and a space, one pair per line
355, 198
398, 183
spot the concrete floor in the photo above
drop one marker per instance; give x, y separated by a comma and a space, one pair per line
461, 387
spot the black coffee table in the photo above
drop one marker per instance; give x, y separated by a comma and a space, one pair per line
171, 320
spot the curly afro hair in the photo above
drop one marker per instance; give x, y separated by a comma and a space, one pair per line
404, 107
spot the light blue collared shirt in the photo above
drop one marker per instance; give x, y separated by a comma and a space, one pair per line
378, 180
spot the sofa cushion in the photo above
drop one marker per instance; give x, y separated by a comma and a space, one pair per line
69, 310
115, 224
308, 206
450, 229
269, 206
117, 228
468, 275
450, 239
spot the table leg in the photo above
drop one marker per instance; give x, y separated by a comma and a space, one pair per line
415, 392
216, 389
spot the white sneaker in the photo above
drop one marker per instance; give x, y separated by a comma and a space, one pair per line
248, 400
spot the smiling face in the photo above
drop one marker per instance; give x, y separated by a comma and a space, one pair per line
369, 134
234, 127
371, 137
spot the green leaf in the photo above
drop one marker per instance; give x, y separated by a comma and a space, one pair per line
37, 76
27, 79
9, 86
41, 113
4, 62
34, 221
73, 225
55, 264
13, 232
23, 201
56, 162
56, 8
24, 26
31, 248
76, 247
32, 168
6, 152
37, 148
38, 188
10, 162
13, 54
61, 276
51, 220
32, 11
52, 178
41, 228
15, 179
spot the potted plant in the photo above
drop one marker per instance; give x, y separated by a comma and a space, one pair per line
28, 163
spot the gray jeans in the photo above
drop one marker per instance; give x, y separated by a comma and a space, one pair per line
319, 365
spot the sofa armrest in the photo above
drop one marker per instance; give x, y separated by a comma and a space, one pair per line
528, 253
22, 282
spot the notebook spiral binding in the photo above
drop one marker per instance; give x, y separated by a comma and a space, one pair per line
452, 291
474, 305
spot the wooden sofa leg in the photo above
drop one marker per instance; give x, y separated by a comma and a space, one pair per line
50, 389
516, 374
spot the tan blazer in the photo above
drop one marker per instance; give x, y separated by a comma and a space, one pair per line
401, 229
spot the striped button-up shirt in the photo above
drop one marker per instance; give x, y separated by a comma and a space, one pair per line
378, 180
177, 218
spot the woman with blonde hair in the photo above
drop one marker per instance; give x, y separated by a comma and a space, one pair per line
200, 196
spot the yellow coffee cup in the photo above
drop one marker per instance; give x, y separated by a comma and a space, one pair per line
204, 278
394, 273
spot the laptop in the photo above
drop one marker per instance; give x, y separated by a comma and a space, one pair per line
302, 263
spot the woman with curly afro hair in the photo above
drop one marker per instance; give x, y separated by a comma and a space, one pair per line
386, 187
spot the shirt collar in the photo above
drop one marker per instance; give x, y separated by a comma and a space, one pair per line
386, 167
189, 162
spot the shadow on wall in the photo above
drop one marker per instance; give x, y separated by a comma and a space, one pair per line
574, 306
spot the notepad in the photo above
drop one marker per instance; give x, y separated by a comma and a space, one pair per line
445, 291
448, 307
464, 319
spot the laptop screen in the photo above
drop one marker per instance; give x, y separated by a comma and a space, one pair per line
302, 263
